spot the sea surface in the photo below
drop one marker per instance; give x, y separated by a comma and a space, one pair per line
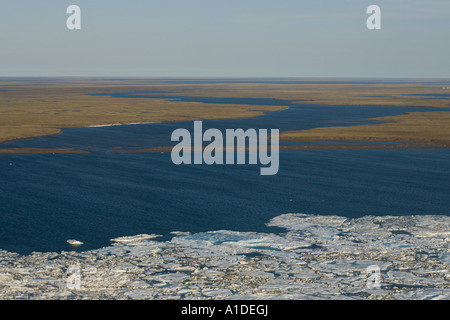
48, 199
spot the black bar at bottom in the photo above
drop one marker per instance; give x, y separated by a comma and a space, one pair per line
233, 309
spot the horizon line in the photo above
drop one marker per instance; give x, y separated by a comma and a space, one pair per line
226, 77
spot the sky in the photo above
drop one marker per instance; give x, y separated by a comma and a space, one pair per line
225, 38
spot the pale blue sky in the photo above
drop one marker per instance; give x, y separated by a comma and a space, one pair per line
225, 38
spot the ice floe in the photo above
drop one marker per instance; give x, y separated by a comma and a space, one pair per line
312, 257
135, 238
75, 243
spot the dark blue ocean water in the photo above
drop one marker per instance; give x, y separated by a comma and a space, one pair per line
47, 199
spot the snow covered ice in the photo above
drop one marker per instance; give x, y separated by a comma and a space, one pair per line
316, 257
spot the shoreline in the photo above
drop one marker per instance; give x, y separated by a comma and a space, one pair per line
34, 109
381, 146
288, 136
117, 124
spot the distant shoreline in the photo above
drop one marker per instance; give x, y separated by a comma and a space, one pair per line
36, 108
